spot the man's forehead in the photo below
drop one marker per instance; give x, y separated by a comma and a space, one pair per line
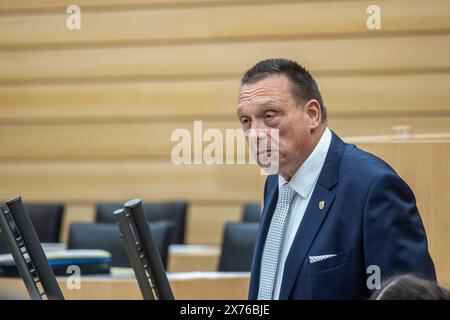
257, 101
271, 87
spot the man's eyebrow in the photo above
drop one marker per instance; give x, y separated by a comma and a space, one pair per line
263, 104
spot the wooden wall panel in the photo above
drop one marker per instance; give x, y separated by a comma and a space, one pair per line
91, 140
345, 96
31, 5
381, 125
206, 222
89, 182
323, 56
220, 22
153, 139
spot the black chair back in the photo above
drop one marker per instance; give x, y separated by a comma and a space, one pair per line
170, 211
252, 212
106, 236
237, 246
23, 243
46, 220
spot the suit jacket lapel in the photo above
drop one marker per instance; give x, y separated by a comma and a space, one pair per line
309, 227
314, 216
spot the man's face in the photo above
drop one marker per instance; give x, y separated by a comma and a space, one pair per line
269, 104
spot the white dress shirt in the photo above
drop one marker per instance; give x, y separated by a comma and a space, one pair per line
303, 182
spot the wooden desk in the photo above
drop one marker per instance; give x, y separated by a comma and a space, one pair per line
122, 285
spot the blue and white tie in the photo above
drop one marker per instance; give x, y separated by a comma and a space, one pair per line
271, 252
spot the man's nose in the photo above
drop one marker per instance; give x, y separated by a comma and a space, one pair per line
258, 125
259, 131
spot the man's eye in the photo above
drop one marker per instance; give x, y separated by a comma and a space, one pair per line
244, 120
269, 115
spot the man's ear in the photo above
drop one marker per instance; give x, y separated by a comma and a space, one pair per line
313, 114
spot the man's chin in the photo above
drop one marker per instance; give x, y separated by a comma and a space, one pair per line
268, 166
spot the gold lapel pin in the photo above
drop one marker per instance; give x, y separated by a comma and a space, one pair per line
321, 204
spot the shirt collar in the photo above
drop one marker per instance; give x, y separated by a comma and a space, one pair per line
306, 176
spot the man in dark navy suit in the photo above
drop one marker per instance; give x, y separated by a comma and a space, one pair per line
333, 214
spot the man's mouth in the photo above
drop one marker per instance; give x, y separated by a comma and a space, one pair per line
269, 151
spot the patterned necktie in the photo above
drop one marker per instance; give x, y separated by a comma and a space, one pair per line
271, 252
